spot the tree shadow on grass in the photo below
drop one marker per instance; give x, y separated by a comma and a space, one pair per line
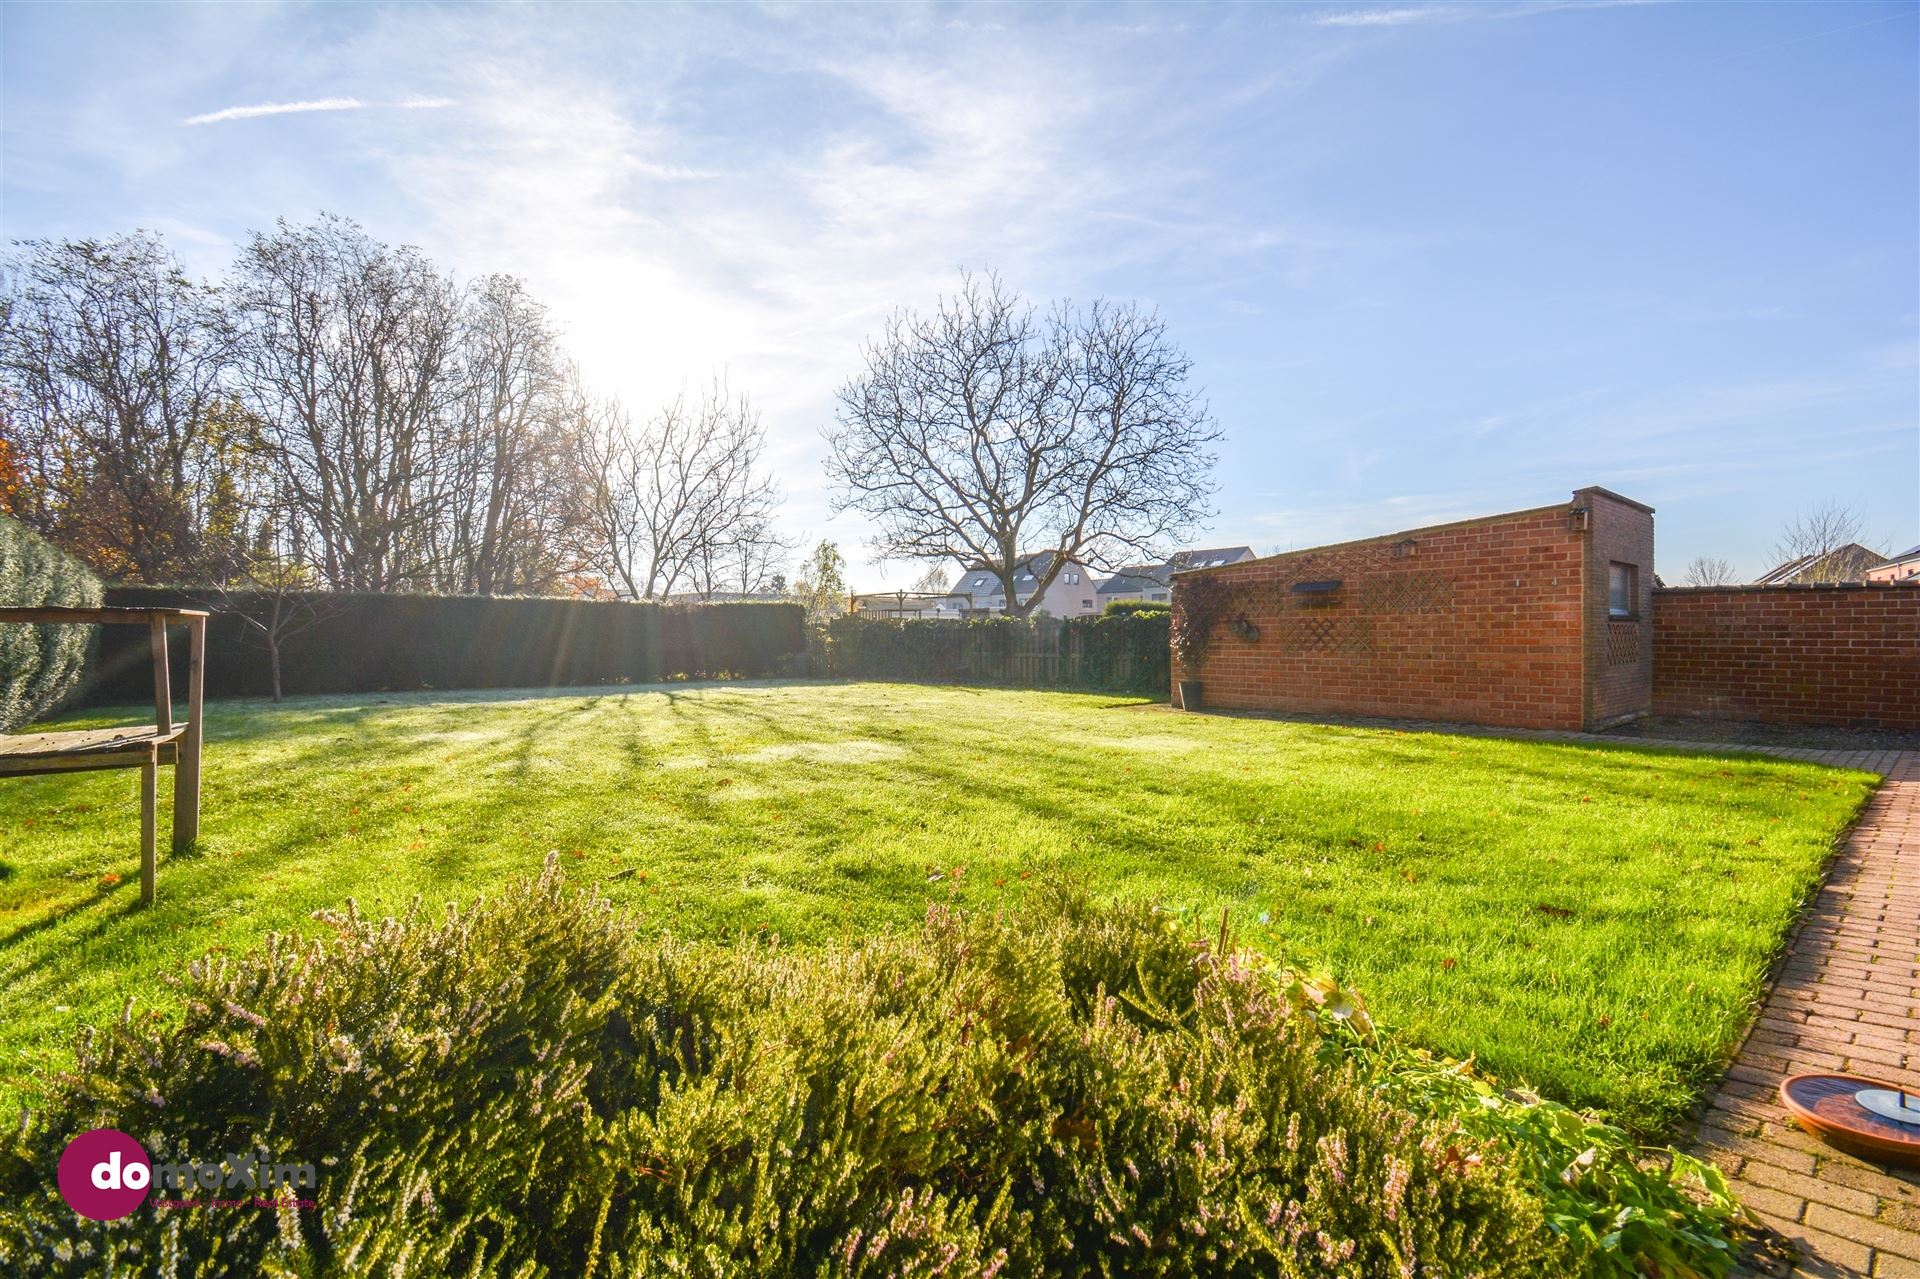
101, 892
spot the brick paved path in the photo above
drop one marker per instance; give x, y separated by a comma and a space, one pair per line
1847, 997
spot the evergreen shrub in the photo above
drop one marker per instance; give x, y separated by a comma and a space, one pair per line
40, 666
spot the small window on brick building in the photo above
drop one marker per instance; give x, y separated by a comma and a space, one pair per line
1623, 590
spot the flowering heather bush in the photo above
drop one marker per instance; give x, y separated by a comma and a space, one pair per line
529, 1087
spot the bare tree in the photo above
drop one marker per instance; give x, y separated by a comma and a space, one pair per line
504, 472
934, 581
748, 561
1710, 570
1814, 545
988, 431
679, 500
345, 348
113, 365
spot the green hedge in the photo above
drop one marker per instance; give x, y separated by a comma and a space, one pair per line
40, 665
1122, 652
532, 1087
372, 643
1127, 650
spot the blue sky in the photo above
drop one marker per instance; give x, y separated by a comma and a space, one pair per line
1431, 261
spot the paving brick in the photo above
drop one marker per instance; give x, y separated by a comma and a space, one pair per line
1780, 1210
1892, 1191
1888, 1266
1877, 1235
1850, 1256
1812, 1189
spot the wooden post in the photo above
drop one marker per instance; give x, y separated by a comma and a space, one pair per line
186, 760
162, 681
148, 768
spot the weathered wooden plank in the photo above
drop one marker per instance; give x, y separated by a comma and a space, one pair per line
84, 740
43, 615
91, 762
162, 677
148, 821
186, 772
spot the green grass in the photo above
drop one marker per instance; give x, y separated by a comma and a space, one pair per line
1594, 921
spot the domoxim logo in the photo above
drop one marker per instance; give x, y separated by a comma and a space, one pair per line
105, 1174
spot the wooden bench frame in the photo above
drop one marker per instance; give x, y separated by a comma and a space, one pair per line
145, 747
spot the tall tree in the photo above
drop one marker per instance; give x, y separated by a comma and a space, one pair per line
345, 346
990, 430
679, 497
504, 472
113, 364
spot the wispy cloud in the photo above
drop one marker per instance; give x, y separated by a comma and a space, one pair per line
1434, 14
314, 104
1384, 17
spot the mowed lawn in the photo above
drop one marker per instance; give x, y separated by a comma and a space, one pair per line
1593, 921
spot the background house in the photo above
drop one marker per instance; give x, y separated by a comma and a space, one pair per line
1155, 581
1904, 567
1072, 593
1137, 582
1181, 561
1849, 563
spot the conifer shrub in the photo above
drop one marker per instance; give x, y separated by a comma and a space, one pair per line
531, 1087
40, 665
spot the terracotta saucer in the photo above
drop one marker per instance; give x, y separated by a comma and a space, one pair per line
1826, 1106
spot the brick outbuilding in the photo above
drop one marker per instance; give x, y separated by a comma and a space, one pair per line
1535, 619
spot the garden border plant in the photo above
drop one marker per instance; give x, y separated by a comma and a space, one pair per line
530, 1086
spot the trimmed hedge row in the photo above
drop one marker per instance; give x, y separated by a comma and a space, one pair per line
375, 643
533, 1087
1122, 652
40, 665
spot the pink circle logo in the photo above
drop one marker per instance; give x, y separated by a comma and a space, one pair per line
104, 1174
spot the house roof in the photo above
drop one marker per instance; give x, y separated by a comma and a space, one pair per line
1212, 557
1911, 553
1848, 563
1136, 577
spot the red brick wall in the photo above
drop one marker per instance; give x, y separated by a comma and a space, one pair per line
1481, 621
1618, 651
1789, 654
